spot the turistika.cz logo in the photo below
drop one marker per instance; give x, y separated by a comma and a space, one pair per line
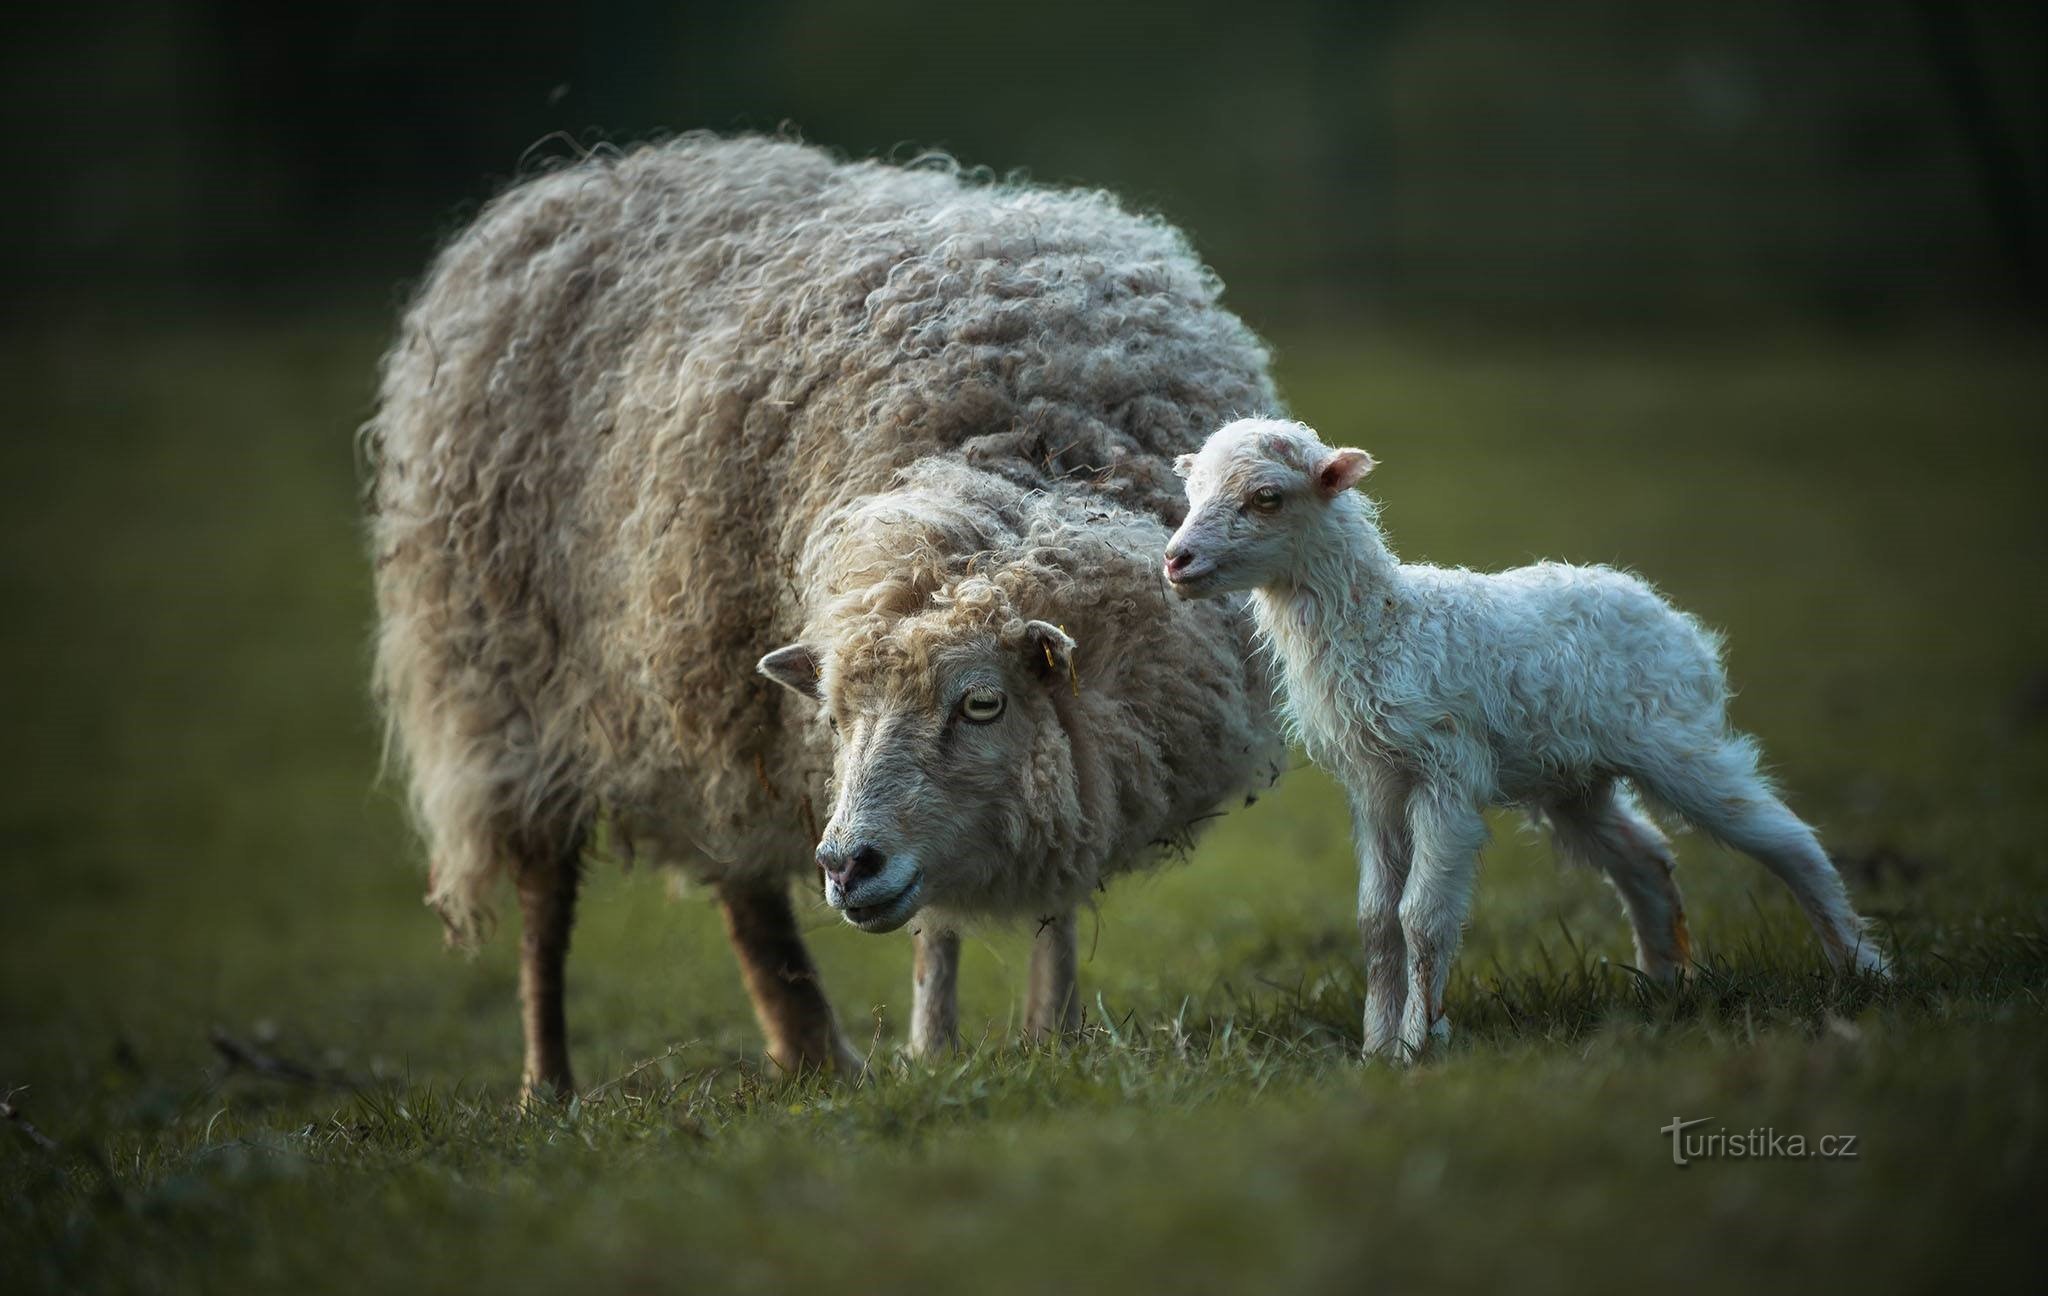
1688, 1143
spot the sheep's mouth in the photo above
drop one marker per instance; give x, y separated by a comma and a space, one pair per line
891, 911
1194, 584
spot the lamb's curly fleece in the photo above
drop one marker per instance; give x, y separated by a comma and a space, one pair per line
1434, 692
642, 414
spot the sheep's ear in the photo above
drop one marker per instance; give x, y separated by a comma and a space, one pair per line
1340, 470
794, 667
1049, 649
1183, 465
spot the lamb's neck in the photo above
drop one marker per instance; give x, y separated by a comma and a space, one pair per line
1346, 586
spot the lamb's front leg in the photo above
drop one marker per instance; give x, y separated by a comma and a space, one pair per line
1447, 830
935, 1003
1379, 831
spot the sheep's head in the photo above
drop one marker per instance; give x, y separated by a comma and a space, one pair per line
1259, 492
953, 772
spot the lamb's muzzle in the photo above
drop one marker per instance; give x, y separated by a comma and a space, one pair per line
1186, 570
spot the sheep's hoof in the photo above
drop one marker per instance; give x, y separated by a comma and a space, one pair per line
847, 1064
839, 1063
930, 1052
540, 1097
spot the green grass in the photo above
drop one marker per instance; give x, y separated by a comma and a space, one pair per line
193, 837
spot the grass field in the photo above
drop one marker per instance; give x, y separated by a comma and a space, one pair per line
193, 840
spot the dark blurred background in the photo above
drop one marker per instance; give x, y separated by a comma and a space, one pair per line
1597, 163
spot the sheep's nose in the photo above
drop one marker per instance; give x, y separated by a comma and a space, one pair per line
1177, 559
846, 869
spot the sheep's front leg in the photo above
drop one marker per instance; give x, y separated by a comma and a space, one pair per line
789, 1000
1447, 831
1379, 829
1054, 1006
935, 1002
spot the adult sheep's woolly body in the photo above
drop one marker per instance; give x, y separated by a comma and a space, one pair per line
654, 414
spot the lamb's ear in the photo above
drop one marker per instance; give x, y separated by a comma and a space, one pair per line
1049, 649
1183, 465
1340, 470
794, 667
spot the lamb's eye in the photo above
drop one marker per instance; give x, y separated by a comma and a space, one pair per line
1265, 499
981, 705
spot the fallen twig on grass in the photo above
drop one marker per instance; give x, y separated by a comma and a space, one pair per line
867, 1064
83, 1148
247, 1057
12, 1115
671, 1051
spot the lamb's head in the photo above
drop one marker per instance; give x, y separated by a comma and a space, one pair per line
954, 776
1259, 496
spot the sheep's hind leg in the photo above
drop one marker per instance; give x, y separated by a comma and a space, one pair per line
935, 1004
1725, 796
1606, 830
547, 882
1054, 1005
1379, 829
1447, 831
783, 982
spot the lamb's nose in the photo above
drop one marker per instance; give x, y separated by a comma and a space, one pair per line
848, 869
1177, 559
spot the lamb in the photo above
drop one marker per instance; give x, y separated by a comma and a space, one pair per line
659, 412
1433, 693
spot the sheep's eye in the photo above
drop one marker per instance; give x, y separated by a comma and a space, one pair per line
981, 705
1265, 499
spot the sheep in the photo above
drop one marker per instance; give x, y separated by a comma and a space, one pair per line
660, 411
1433, 693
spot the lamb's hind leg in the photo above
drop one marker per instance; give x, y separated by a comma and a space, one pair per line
789, 998
1725, 795
1606, 830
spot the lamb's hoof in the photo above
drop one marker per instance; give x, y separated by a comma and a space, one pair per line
1669, 977
1871, 961
1389, 1052
1414, 1046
